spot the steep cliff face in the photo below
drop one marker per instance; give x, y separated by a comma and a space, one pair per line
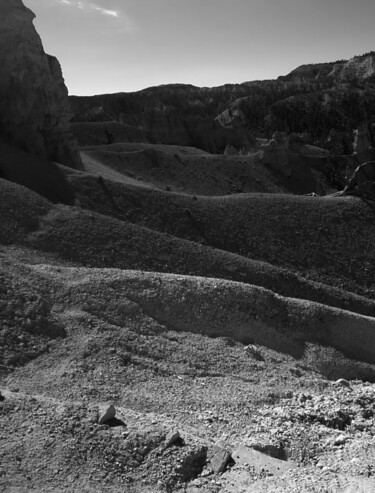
34, 107
359, 69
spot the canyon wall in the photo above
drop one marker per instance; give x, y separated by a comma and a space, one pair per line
34, 106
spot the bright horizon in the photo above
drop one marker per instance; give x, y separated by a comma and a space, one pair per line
108, 46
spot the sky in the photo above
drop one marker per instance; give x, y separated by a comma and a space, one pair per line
107, 46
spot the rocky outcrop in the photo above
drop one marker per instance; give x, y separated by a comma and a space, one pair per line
166, 126
359, 69
276, 154
363, 139
34, 107
294, 162
312, 99
311, 72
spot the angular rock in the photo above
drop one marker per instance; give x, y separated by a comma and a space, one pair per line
218, 459
261, 462
109, 414
171, 438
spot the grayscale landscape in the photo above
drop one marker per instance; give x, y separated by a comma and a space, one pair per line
187, 297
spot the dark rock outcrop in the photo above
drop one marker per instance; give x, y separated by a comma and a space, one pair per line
36, 173
311, 99
294, 162
34, 106
211, 135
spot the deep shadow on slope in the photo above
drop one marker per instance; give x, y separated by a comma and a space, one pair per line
36, 173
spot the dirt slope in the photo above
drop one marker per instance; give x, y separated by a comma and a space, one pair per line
327, 239
207, 305
196, 174
140, 340
201, 314
91, 239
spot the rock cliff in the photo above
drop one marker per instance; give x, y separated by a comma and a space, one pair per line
313, 99
34, 106
207, 133
357, 69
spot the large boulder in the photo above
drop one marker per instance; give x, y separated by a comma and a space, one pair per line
34, 108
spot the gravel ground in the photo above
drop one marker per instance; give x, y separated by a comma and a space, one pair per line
214, 326
89, 339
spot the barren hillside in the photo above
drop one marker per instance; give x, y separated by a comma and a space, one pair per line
193, 308
227, 318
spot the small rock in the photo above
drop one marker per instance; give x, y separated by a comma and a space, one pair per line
206, 473
342, 382
253, 351
109, 414
218, 459
171, 438
340, 440
2, 398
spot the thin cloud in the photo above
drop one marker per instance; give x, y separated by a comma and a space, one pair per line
124, 22
91, 6
111, 13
